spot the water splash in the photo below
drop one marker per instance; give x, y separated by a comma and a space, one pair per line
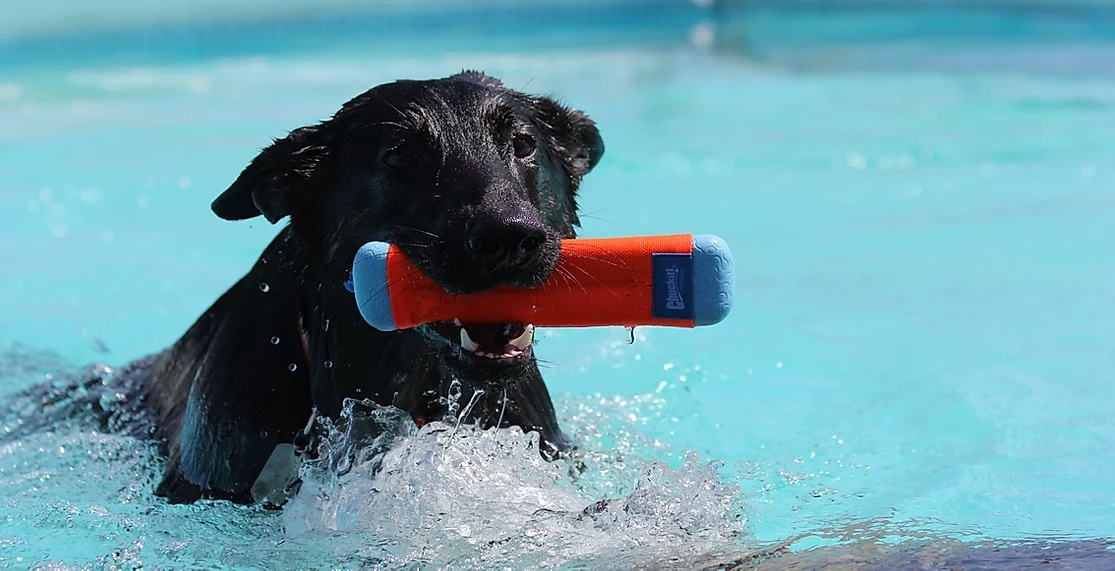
478, 498
452, 399
383, 493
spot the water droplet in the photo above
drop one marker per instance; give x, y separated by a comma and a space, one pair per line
274, 340
293, 367
778, 364
264, 287
702, 35
328, 364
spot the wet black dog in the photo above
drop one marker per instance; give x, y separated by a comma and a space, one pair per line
474, 181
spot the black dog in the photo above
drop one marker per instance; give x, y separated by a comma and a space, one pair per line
475, 182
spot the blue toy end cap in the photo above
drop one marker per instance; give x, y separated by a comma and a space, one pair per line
714, 279
369, 283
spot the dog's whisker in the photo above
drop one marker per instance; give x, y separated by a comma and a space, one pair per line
397, 281
386, 123
402, 244
576, 281
425, 293
597, 211
604, 220
389, 285
389, 104
606, 257
546, 364
574, 266
418, 230
540, 70
570, 280
560, 274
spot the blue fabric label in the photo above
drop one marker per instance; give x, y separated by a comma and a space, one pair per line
673, 286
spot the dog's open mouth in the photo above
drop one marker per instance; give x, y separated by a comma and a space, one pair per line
499, 341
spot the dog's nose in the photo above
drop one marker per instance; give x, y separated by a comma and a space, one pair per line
506, 242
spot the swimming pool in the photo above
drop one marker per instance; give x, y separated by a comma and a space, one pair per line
920, 350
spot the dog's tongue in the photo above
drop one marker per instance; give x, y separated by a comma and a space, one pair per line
497, 339
493, 334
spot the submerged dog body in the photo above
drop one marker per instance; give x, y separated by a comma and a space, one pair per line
474, 182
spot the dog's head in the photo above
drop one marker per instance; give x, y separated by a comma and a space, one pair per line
475, 182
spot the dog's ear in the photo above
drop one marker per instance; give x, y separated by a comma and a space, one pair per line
274, 181
571, 135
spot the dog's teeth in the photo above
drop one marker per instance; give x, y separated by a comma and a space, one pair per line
467, 343
523, 341
457, 322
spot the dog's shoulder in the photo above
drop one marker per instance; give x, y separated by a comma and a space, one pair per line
234, 386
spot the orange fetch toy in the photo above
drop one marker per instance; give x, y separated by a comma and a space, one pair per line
680, 280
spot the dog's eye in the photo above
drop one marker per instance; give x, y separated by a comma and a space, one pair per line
523, 145
397, 156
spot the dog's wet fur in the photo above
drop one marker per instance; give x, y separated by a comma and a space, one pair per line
475, 182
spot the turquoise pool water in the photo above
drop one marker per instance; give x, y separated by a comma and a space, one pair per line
921, 351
